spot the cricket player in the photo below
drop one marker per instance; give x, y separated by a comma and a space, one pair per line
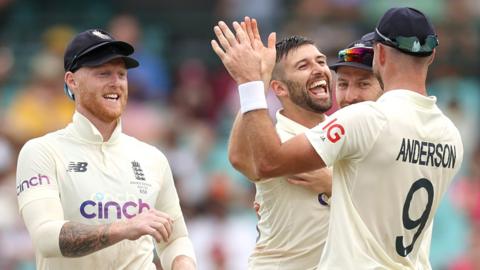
393, 159
91, 196
355, 81
289, 238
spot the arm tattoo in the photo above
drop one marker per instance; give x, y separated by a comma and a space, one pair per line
78, 240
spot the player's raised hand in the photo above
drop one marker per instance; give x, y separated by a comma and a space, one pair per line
151, 222
237, 54
267, 53
319, 181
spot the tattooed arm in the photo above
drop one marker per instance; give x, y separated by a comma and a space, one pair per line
55, 237
78, 239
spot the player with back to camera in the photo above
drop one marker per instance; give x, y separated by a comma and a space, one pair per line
91, 196
393, 159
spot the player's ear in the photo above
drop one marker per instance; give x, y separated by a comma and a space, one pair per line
279, 88
432, 57
70, 80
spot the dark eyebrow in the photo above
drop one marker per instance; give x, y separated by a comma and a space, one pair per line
320, 56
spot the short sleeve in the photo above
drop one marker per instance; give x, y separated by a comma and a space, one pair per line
348, 134
36, 177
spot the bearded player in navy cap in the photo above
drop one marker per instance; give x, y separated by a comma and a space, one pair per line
91, 196
355, 81
393, 159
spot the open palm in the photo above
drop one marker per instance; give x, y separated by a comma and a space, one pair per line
267, 53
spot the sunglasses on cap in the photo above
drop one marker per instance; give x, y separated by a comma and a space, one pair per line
362, 55
411, 44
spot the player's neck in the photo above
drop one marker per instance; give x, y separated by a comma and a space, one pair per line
303, 117
105, 128
401, 79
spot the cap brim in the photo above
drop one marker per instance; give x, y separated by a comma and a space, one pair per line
124, 47
335, 66
129, 62
107, 51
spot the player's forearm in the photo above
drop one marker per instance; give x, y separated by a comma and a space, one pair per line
273, 158
239, 151
77, 240
178, 253
183, 262
264, 142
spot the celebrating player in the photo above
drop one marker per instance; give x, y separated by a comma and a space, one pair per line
91, 196
393, 159
289, 238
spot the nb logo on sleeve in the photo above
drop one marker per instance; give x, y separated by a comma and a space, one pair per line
77, 167
334, 131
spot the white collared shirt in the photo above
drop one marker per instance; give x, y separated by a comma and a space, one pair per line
293, 224
393, 161
99, 182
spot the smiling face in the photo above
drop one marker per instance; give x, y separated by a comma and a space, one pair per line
356, 85
101, 93
307, 78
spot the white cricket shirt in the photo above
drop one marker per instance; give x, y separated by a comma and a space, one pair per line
293, 224
393, 161
99, 182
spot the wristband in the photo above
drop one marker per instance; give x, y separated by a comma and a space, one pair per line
252, 96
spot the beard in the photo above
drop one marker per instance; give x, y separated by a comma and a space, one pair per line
92, 102
299, 96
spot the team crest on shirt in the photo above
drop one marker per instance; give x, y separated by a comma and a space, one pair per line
140, 182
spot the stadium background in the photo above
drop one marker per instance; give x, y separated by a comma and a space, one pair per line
183, 101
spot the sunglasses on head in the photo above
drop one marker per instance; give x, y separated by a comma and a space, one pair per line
362, 55
411, 44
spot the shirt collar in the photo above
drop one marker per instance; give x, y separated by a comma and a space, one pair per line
84, 130
289, 125
411, 96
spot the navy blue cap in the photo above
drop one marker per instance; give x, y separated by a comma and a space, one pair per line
407, 23
95, 47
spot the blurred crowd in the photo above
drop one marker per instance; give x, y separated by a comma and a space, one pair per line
183, 101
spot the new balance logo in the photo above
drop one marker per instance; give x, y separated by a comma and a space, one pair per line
77, 167
137, 170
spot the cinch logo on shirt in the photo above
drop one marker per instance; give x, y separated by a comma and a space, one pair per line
34, 181
91, 209
334, 131
77, 167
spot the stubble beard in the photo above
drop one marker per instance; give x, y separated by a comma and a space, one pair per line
92, 104
299, 96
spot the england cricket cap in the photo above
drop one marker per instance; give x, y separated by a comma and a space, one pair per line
407, 30
358, 54
95, 47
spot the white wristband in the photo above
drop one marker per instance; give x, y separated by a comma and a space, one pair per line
252, 96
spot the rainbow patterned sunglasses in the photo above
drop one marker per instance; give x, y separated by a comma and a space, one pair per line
362, 55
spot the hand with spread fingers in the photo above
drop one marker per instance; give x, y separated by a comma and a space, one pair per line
241, 57
268, 54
